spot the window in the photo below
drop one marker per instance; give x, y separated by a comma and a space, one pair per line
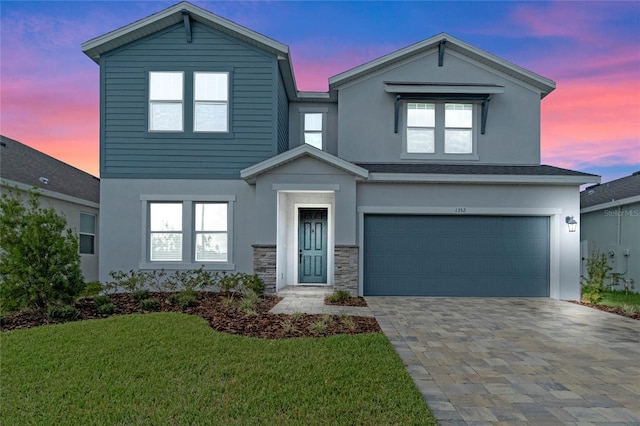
211, 232
211, 102
458, 137
436, 129
186, 232
421, 123
87, 233
313, 129
165, 230
166, 101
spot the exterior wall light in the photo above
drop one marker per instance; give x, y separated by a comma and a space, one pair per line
571, 223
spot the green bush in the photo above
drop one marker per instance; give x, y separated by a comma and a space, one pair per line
339, 296
150, 304
191, 280
594, 284
92, 289
140, 295
229, 282
184, 299
62, 313
252, 283
128, 282
39, 260
101, 300
106, 309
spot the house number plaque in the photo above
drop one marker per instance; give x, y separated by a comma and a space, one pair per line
460, 210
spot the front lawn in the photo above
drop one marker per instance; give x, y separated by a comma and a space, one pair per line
621, 299
172, 368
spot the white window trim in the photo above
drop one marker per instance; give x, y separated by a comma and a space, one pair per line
193, 76
314, 110
188, 233
95, 224
150, 101
439, 153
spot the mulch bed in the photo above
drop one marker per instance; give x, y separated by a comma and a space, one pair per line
220, 316
352, 301
610, 309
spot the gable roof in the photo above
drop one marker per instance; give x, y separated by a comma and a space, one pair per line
619, 191
24, 165
174, 15
250, 173
542, 83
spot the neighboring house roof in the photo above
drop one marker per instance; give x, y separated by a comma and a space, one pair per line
447, 41
24, 165
620, 191
250, 173
479, 173
176, 14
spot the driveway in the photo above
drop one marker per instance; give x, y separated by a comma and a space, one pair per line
516, 360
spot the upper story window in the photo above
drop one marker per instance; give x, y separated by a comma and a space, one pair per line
170, 103
439, 129
166, 101
87, 233
313, 129
211, 102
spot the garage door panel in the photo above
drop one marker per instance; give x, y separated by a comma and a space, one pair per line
456, 255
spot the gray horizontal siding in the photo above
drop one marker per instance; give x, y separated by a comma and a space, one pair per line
129, 150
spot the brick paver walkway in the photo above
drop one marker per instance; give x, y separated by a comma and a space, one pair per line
516, 360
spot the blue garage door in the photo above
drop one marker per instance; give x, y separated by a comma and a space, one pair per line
456, 256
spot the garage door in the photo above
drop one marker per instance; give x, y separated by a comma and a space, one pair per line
456, 255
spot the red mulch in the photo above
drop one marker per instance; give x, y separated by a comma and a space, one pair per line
223, 318
610, 309
352, 301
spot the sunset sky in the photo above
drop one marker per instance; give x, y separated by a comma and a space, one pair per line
49, 97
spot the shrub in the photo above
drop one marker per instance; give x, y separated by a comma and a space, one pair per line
318, 327
288, 327
192, 280
92, 289
252, 283
140, 295
174, 299
227, 302
248, 303
106, 309
62, 313
229, 282
39, 260
183, 299
348, 322
101, 300
339, 296
297, 315
128, 282
150, 304
327, 319
597, 274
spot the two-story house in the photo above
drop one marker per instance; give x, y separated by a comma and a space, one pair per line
417, 173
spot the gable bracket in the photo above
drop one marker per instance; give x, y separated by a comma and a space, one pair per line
441, 52
187, 24
485, 113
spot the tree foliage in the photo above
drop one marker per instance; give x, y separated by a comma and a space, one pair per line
39, 260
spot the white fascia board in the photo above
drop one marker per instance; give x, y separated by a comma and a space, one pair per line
479, 179
204, 16
50, 194
610, 204
250, 173
442, 88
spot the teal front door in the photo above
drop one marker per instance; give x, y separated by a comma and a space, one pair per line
312, 246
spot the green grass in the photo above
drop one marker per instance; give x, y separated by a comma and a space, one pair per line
170, 368
619, 298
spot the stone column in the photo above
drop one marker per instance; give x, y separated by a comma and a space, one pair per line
346, 269
264, 265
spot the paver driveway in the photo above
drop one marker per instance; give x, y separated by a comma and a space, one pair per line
516, 360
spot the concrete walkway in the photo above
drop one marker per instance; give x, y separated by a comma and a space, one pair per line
500, 361
310, 300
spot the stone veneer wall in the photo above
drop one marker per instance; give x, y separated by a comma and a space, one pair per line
264, 265
346, 269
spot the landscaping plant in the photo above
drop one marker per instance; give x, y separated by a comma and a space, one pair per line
39, 260
594, 284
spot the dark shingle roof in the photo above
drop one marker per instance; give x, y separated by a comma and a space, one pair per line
25, 165
615, 190
470, 169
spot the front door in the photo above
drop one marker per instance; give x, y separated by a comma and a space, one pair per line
312, 246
